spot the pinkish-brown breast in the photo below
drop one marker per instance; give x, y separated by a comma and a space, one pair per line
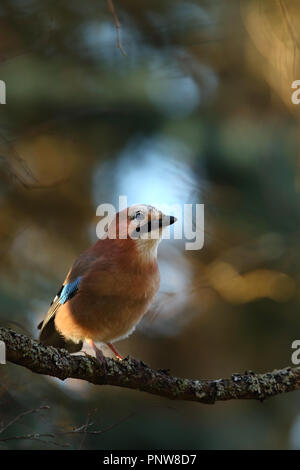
111, 300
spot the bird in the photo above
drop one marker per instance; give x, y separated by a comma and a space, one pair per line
110, 286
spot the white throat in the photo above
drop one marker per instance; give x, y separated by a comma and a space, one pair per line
147, 249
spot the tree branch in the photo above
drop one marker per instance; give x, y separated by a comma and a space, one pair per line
134, 374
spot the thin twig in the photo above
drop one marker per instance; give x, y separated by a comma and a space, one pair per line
81, 430
117, 25
22, 415
16, 164
36, 437
289, 25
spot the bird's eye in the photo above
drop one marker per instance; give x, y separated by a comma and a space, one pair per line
139, 215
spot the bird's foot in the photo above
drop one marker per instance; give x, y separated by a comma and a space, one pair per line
99, 354
100, 358
115, 351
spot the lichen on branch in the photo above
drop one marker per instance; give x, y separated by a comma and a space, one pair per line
134, 374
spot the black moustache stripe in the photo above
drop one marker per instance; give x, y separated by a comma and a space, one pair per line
151, 223
149, 226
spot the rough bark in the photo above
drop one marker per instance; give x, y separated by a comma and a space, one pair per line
134, 374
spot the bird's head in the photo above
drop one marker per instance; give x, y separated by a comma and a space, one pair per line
142, 223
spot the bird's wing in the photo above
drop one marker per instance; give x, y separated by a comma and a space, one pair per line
65, 293
48, 334
52, 310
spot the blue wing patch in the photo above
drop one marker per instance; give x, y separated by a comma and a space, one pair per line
69, 290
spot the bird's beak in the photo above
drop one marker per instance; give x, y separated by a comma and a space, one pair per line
166, 220
163, 221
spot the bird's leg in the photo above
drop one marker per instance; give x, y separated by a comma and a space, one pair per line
99, 354
115, 351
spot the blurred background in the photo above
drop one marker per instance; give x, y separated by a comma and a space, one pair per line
194, 106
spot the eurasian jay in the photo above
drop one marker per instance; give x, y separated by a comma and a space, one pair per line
110, 286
